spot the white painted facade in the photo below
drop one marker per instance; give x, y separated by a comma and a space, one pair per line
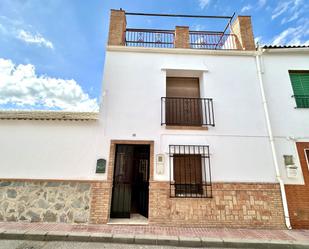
289, 124
134, 82
49, 149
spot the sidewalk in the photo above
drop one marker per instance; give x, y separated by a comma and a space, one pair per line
158, 235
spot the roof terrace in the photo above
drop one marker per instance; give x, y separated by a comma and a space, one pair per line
236, 33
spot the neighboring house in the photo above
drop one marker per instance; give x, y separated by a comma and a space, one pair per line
196, 128
286, 79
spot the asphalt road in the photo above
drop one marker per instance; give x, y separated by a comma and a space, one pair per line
23, 244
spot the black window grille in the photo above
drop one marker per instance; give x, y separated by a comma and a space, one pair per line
190, 172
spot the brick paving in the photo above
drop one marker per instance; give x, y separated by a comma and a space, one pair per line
193, 232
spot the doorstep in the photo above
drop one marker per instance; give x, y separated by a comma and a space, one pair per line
135, 219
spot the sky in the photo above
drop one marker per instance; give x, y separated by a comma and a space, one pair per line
52, 52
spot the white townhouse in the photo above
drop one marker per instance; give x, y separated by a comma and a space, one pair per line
195, 128
285, 75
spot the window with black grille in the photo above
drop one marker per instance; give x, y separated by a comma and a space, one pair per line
190, 173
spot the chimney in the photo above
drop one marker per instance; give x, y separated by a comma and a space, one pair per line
117, 28
182, 37
242, 28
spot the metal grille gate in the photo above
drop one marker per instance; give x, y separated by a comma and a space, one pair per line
131, 181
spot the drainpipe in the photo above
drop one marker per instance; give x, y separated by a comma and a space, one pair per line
271, 140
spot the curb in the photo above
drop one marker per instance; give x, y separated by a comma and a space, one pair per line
152, 240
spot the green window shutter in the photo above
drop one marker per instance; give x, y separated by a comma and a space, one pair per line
300, 85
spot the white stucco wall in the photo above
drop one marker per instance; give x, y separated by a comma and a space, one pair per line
50, 149
289, 124
135, 82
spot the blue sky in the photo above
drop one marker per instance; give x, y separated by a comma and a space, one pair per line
52, 52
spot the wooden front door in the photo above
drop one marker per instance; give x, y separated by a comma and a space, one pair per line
183, 104
140, 181
131, 181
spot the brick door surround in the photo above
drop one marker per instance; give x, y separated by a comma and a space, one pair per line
102, 191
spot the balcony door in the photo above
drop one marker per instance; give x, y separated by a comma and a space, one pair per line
183, 103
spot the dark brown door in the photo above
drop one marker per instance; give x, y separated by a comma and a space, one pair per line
131, 181
122, 185
183, 104
187, 174
140, 181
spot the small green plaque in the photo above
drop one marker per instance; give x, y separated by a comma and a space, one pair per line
101, 166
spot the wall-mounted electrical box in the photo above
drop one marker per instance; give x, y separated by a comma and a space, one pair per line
288, 160
291, 171
291, 168
160, 164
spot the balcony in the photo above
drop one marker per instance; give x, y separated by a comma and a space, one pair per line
166, 39
187, 111
223, 32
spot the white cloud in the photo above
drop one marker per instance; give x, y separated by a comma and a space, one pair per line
198, 27
36, 39
282, 37
291, 6
20, 86
21, 31
280, 9
293, 35
292, 18
246, 8
203, 3
2, 29
261, 3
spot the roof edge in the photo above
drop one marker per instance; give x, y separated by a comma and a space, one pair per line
284, 46
48, 115
230, 52
286, 49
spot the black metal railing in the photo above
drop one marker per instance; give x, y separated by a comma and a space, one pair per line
302, 101
190, 171
156, 38
150, 38
212, 40
187, 111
